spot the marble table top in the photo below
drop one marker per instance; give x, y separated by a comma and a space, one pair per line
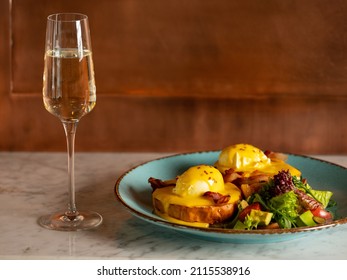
33, 184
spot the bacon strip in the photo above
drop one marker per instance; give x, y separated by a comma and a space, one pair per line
306, 201
275, 155
157, 183
256, 179
230, 175
238, 179
217, 197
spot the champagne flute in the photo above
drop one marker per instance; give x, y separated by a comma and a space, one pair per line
69, 93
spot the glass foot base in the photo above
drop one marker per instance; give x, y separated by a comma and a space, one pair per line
61, 221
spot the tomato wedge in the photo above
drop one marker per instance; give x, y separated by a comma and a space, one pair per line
244, 212
322, 213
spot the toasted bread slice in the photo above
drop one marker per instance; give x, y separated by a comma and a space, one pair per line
210, 214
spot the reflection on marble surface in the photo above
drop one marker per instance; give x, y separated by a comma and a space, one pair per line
32, 184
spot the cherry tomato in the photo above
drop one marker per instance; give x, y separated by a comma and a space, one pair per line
247, 210
321, 213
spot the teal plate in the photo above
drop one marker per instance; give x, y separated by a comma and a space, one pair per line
134, 192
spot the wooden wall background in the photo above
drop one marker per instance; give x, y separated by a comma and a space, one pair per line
180, 75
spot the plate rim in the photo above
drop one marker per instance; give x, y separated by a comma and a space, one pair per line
221, 231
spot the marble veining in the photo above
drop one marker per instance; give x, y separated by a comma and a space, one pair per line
32, 184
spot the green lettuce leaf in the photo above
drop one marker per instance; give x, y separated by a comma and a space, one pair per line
285, 208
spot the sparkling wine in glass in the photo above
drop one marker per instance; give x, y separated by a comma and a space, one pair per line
69, 93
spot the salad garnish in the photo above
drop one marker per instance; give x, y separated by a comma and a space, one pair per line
285, 201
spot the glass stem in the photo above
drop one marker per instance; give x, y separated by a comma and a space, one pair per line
70, 132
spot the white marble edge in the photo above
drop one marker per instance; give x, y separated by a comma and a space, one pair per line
34, 183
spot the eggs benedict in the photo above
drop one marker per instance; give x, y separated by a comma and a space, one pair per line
198, 198
249, 159
204, 194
